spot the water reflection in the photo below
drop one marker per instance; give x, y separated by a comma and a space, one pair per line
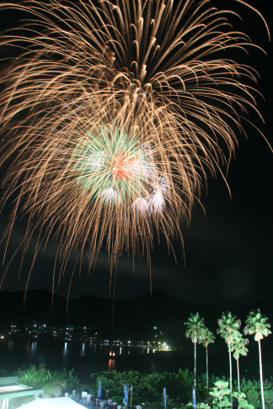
10, 345
111, 364
83, 349
33, 349
17, 353
27, 355
65, 351
83, 356
65, 354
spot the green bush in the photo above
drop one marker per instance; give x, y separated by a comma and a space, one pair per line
252, 389
54, 383
148, 387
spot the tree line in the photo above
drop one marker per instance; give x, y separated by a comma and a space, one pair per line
229, 326
147, 388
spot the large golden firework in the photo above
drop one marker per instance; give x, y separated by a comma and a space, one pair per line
113, 116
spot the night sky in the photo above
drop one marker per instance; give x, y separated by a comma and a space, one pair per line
228, 250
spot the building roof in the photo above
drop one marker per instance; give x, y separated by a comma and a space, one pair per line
9, 388
64, 403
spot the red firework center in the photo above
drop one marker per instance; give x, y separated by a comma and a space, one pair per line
122, 167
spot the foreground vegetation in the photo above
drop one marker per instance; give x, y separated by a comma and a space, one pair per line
256, 324
147, 388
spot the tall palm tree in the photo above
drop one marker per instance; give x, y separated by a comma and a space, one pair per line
195, 325
206, 338
238, 345
256, 324
228, 330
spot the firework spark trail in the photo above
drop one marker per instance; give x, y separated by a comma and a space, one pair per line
114, 116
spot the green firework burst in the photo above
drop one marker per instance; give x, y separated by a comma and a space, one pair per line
113, 166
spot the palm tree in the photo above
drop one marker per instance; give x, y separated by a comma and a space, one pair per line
229, 331
256, 324
195, 324
206, 338
238, 345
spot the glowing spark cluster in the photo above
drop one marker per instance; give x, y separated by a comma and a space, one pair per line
111, 165
114, 116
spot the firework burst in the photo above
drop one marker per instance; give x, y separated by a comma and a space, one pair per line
112, 166
114, 115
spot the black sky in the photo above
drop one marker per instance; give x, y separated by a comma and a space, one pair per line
229, 250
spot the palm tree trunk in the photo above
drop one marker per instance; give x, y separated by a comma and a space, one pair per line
195, 365
261, 373
238, 376
207, 367
230, 375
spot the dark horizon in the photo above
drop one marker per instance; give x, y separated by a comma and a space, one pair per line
145, 295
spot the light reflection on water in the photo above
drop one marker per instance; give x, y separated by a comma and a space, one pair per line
90, 357
10, 345
111, 364
86, 349
59, 355
32, 349
65, 351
